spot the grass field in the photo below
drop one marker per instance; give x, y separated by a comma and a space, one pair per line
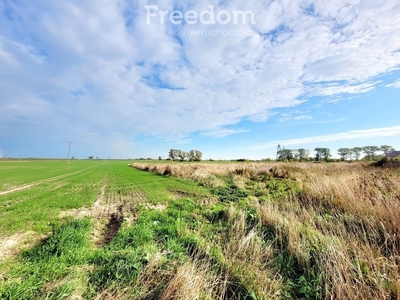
104, 230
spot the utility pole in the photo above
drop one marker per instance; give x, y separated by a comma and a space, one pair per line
69, 148
278, 150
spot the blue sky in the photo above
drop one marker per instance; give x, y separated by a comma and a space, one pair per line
304, 74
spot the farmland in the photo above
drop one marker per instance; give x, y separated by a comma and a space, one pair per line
105, 230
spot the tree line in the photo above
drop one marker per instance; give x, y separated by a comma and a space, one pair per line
179, 155
369, 151
324, 154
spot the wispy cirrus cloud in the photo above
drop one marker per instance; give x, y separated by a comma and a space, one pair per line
395, 84
294, 116
219, 133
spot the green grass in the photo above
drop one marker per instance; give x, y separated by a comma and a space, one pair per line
16, 173
161, 240
50, 270
281, 233
43, 272
40, 204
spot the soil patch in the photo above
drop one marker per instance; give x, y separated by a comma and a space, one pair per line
159, 206
112, 228
12, 245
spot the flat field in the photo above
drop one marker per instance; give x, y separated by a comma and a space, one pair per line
106, 230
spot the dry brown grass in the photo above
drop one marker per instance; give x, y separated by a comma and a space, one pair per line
245, 265
247, 255
342, 221
193, 280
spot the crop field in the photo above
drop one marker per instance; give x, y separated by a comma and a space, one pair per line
109, 230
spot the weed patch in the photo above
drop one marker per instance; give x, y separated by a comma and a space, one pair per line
229, 193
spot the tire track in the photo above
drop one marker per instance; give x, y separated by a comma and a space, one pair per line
107, 216
110, 211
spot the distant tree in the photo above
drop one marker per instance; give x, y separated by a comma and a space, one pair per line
370, 152
326, 153
285, 154
159, 158
357, 152
90, 157
194, 155
198, 155
322, 154
318, 154
302, 153
173, 155
191, 155
386, 149
181, 155
344, 153
351, 153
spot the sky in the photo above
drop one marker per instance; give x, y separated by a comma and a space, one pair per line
233, 79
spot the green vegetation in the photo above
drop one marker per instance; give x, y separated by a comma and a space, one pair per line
54, 186
192, 155
313, 231
162, 210
204, 231
17, 173
323, 154
54, 268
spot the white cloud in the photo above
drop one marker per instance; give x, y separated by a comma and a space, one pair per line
395, 84
103, 66
332, 89
219, 133
293, 116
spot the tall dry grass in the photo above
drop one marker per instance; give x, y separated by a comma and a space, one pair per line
341, 225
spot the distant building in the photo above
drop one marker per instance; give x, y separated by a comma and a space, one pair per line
392, 154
